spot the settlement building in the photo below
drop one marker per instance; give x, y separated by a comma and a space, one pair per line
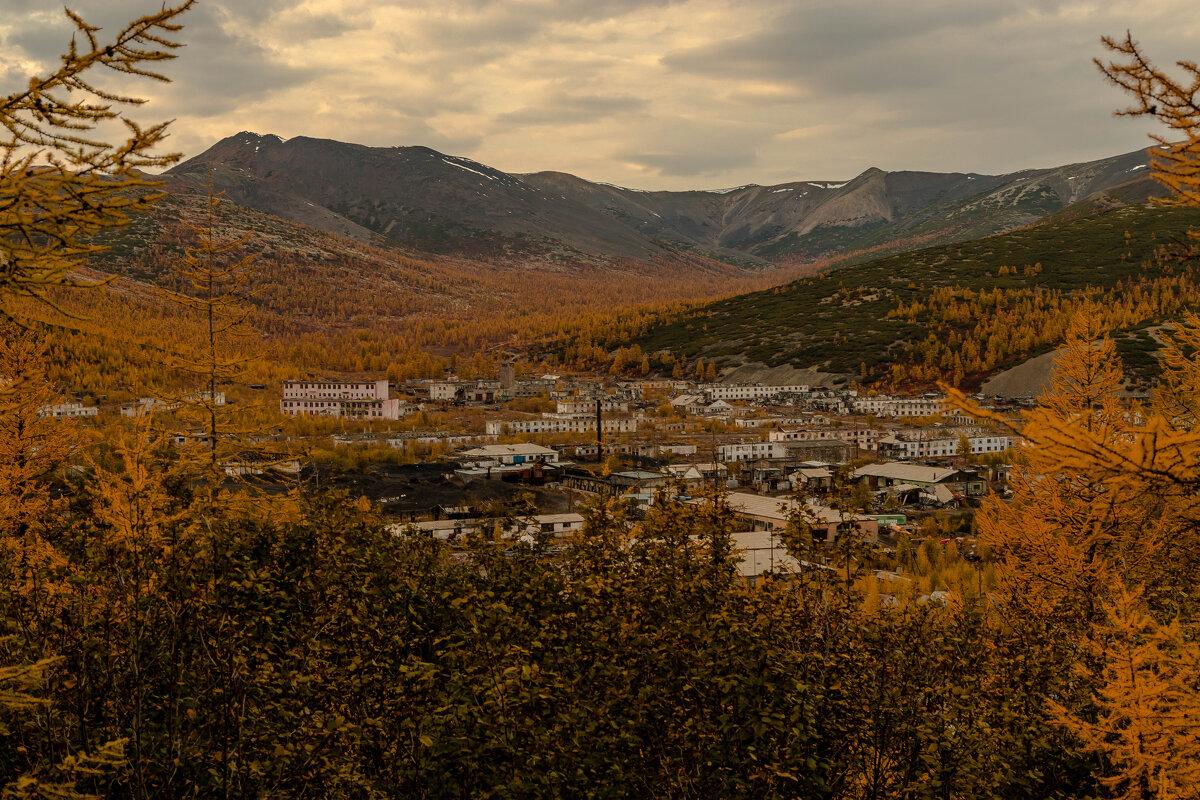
749, 391
505, 454
894, 475
940, 442
496, 427
64, 410
884, 406
750, 451
352, 399
760, 513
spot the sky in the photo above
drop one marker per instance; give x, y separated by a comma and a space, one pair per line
649, 94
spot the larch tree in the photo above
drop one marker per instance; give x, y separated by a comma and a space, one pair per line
1102, 536
1175, 162
215, 277
61, 180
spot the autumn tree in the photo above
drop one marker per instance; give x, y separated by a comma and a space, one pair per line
32, 445
1175, 162
61, 181
214, 275
1101, 539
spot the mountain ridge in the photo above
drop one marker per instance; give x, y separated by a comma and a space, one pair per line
420, 198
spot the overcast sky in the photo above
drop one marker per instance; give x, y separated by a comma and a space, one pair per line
651, 94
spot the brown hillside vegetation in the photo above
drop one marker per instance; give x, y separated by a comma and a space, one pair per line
320, 302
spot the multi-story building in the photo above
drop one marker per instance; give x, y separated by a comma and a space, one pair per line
65, 410
885, 406
769, 422
940, 442
750, 451
749, 391
445, 391
580, 406
865, 438
560, 425
352, 399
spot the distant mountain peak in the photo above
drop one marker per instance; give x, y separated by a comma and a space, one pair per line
425, 199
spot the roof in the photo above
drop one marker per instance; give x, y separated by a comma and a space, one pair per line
909, 473
814, 472
943, 494
707, 466
569, 517
758, 506
763, 551
498, 450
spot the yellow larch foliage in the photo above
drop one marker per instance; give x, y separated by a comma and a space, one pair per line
1147, 718
1100, 541
33, 448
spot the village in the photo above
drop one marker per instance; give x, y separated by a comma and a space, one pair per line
518, 456
522, 456
844, 462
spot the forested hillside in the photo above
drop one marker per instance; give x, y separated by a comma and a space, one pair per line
955, 312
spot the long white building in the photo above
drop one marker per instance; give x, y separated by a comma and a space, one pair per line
940, 442
750, 451
352, 399
749, 391
885, 406
560, 425
865, 438
578, 407
65, 410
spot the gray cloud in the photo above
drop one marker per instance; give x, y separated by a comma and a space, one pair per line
647, 93
563, 109
688, 148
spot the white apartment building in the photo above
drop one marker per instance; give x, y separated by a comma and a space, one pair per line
204, 396
767, 422
749, 391
885, 406
497, 427
664, 450
750, 451
68, 410
446, 391
335, 390
944, 442
865, 438
146, 405
352, 399
582, 406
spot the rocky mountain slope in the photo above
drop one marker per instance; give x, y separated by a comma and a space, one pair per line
434, 202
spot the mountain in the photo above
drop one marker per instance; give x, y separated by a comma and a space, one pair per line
430, 201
